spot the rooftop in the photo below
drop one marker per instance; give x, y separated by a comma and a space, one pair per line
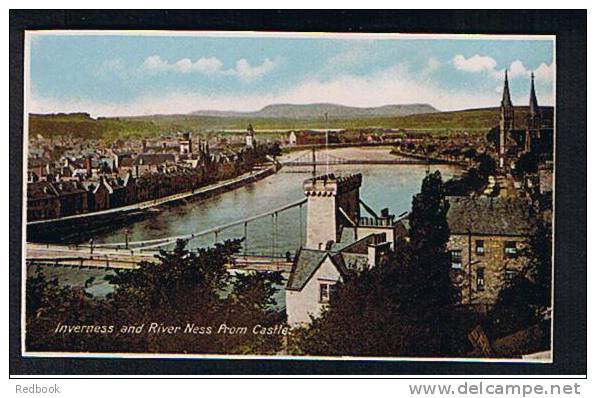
490, 216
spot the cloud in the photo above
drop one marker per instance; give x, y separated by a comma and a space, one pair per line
479, 63
210, 66
545, 72
476, 63
184, 65
431, 66
244, 71
393, 85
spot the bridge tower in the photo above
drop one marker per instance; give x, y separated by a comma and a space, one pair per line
333, 202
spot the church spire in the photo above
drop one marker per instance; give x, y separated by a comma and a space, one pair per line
506, 123
506, 100
533, 100
534, 116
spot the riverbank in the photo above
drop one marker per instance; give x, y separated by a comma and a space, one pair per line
81, 224
430, 159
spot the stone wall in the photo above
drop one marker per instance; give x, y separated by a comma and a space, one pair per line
494, 261
321, 221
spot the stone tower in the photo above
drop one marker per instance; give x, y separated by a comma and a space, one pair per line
506, 122
333, 202
186, 143
533, 130
250, 137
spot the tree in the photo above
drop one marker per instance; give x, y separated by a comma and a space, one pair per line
180, 288
493, 136
527, 164
402, 307
275, 150
429, 233
486, 165
525, 299
470, 153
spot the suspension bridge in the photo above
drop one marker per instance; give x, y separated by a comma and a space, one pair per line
315, 158
128, 254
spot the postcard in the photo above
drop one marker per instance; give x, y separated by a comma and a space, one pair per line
210, 194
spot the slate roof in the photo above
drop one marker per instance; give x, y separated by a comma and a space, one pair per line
154, 158
490, 216
307, 262
41, 190
352, 256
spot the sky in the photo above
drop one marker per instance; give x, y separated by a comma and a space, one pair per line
115, 74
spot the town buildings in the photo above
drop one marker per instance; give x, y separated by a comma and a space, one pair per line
488, 236
79, 180
490, 229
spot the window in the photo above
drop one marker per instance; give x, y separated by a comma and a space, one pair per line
480, 279
325, 291
510, 248
510, 274
456, 259
480, 247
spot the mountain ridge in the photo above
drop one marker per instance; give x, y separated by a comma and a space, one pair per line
318, 110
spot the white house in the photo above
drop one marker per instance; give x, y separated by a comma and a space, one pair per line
292, 138
315, 273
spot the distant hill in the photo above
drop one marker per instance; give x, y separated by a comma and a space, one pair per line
317, 111
81, 125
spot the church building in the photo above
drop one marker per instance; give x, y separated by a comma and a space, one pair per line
535, 137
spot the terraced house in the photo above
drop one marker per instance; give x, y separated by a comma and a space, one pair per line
487, 237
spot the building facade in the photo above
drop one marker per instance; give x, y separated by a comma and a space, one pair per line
487, 238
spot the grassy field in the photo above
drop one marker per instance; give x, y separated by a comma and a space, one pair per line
81, 125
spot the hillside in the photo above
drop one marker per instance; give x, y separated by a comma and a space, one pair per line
317, 111
81, 125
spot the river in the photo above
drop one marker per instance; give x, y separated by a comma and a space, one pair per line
390, 186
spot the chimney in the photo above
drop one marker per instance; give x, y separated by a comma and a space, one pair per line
377, 249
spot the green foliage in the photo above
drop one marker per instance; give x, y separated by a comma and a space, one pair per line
486, 165
429, 233
527, 163
275, 150
403, 307
83, 126
182, 287
525, 299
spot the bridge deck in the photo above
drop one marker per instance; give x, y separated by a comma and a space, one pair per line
365, 162
65, 256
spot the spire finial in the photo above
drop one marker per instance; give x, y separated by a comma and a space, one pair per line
506, 100
533, 100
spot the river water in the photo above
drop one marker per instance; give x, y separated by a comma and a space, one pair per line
390, 186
